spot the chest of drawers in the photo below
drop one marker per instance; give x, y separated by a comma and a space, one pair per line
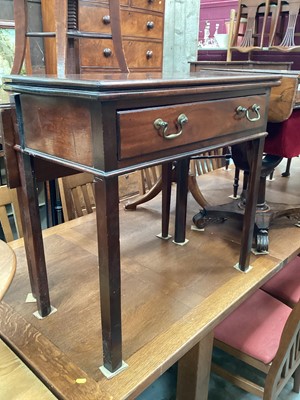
142, 24
142, 27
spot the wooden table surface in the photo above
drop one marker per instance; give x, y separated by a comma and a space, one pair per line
15, 377
7, 267
172, 296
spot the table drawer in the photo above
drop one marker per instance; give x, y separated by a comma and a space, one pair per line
205, 120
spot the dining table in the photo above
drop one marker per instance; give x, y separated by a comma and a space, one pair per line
172, 296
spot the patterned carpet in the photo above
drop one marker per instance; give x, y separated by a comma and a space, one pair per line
219, 389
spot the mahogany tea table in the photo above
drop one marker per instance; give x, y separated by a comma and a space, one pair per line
113, 124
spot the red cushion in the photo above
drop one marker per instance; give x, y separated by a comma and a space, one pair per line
255, 327
285, 285
284, 138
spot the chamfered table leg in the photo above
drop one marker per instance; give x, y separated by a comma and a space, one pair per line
255, 154
194, 371
32, 230
166, 198
107, 208
182, 173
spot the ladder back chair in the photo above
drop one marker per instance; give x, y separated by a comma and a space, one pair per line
285, 285
264, 333
10, 218
254, 14
63, 19
284, 32
63, 32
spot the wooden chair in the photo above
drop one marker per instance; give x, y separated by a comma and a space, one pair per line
62, 37
150, 186
77, 195
285, 285
254, 14
264, 333
284, 27
9, 202
199, 165
203, 164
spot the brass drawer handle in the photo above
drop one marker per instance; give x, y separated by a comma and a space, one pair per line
162, 126
253, 109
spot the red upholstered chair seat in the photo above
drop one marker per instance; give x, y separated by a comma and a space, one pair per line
255, 327
285, 285
284, 138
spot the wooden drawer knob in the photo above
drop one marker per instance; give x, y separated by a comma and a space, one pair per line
150, 25
149, 54
107, 52
106, 19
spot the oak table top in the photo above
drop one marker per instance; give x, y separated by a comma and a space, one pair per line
7, 267
172, 296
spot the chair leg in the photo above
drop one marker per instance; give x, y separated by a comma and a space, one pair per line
296, 387
236, 182
286, 173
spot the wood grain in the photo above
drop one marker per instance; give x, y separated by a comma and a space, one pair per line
172, 296
282, 99
20, 381
7, 267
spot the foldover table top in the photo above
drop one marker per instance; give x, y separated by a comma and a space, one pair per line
145, 108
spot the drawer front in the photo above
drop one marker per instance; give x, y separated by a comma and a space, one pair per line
98, 53
206, 120
143, 25
153, 5
93, 18
141, 54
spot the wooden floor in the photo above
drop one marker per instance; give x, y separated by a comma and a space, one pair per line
172, 296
